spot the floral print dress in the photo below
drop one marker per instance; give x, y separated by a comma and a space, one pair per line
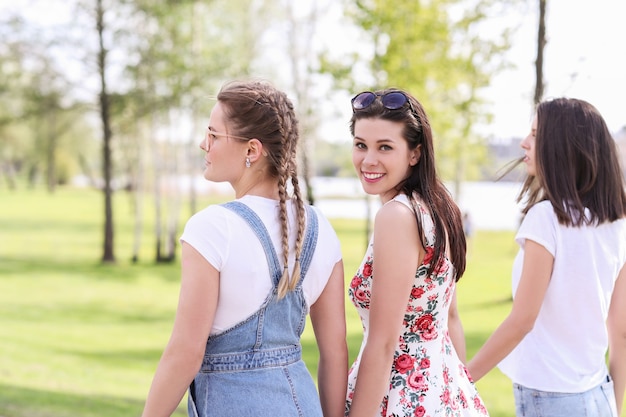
427, 378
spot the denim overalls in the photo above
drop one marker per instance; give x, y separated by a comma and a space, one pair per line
255, 368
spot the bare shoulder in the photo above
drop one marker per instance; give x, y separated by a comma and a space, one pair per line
396, 216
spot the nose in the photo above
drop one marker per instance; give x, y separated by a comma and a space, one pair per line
369, 159
524, 143
204, 144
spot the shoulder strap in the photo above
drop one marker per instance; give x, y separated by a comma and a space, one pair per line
259, 229
310, 241
308, 248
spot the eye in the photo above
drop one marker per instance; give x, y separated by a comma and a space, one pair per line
385, 148
360, 145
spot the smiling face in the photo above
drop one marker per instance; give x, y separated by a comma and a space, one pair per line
528, 144
381, 156
225, 155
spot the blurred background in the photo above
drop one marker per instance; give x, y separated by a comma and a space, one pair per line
116, 94
103, 104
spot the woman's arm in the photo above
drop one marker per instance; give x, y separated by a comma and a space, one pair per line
397, 251
328, 317
183, 354
455, 329
536, 273
616, 323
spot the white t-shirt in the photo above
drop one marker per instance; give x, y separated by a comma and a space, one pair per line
565, 351
229, 244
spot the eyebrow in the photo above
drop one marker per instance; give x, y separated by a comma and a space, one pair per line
385, 140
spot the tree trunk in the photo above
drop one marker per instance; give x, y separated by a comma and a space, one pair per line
137, 191
302, 85
51, 172
108, 255
541, 43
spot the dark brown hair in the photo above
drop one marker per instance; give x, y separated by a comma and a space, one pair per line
577, 165
256, 109
423, 178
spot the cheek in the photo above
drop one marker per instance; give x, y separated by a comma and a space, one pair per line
356, 158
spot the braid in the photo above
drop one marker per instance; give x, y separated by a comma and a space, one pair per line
301, 225
287, 168
258, 110
291, 138
284, 284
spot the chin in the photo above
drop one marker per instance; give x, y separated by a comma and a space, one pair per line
368, 189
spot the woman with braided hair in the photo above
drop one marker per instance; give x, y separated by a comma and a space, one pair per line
252, 269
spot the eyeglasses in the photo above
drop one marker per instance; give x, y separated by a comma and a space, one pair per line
393, 100
208, 137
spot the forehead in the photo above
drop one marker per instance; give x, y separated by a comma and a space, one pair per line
216, 120
378, 129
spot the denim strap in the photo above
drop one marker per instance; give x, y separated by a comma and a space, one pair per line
310, 238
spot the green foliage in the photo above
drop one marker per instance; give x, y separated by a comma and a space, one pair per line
437, 51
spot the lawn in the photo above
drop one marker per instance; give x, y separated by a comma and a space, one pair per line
78, 338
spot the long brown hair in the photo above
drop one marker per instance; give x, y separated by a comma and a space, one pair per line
256, 109
423, 179
577, 165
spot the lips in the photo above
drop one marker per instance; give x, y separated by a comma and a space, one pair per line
372, 176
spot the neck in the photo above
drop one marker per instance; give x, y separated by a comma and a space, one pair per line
267, 188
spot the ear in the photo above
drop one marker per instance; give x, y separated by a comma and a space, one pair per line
415, 155
254, 150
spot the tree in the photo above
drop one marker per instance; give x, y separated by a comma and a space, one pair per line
302, 59
107, 162
35, 103
541, 43
437, 50
171, 89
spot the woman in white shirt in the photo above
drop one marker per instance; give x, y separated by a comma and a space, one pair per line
252, 269
569, 277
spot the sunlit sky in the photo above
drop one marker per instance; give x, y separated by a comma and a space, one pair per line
585, 57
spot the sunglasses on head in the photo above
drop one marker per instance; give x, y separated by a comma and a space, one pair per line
393, 100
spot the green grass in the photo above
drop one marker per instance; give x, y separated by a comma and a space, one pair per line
78, 338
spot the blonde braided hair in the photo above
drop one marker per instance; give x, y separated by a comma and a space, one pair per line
256, 109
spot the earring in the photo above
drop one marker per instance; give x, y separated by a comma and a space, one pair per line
248, 163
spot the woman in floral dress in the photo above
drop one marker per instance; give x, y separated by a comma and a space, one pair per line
411, 359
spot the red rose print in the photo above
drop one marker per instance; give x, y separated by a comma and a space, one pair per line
420, 411
417, 381
425, 322
425, 363
477, 403
430, 334
356, 281
359, 295
462, 399
442, 267
404, 362
417, 292
428, 256
367, 270
445, 397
